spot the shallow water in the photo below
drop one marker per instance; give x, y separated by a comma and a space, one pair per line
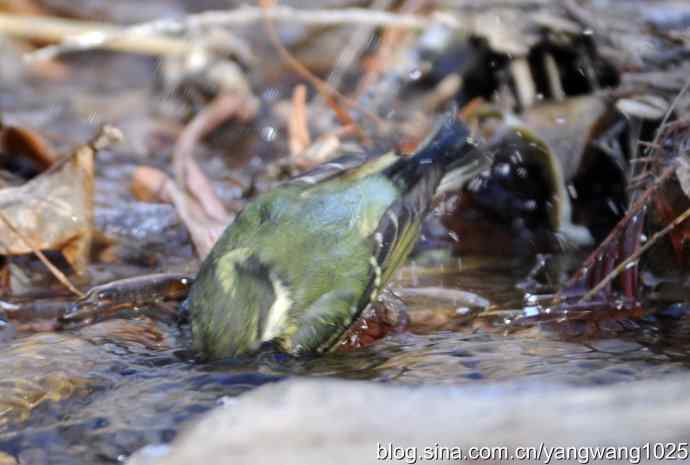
97, 394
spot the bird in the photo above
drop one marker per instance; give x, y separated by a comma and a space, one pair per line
302, 261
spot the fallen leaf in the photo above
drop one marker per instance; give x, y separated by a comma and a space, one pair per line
54, 211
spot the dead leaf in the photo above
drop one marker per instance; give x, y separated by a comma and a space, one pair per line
54, 211
23, 143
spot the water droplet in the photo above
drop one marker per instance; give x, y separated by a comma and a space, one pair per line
415, 74
269, 133
502, 169
572, 191
462, 311
532, 311
613, 207
271, 94
226, 401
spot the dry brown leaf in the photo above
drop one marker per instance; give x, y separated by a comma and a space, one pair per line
26, 143
54, 211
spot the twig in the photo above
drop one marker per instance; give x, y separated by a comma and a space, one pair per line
639, 201
297, 124
633, 210
59, 275
203, 230
635, 256
360, 39
102, 37
154, 185
188, 174
76, 35
330, 95
662, 125
390, 40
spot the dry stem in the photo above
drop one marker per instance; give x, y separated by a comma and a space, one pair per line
188, 174
142, 38
59, 275
635, 256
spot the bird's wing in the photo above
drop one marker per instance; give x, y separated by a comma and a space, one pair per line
354, 165
393, 241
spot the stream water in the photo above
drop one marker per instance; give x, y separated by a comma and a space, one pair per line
97, 394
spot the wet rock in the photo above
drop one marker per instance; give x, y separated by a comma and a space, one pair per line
338, 422
143, 233
137, 220
615, 346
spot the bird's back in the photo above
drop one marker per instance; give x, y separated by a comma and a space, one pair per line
294, 253
302, 261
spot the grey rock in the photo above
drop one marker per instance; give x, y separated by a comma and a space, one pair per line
319, 421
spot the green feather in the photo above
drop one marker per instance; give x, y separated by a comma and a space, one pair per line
302, 261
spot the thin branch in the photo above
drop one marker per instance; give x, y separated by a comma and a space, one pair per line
330, 95
617, 230
59, 275
103, 37
635, 256
674, 104
640, 200
188, 174
355, 48
298, 127
76, 35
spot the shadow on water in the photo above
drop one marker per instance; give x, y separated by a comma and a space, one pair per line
97, 394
